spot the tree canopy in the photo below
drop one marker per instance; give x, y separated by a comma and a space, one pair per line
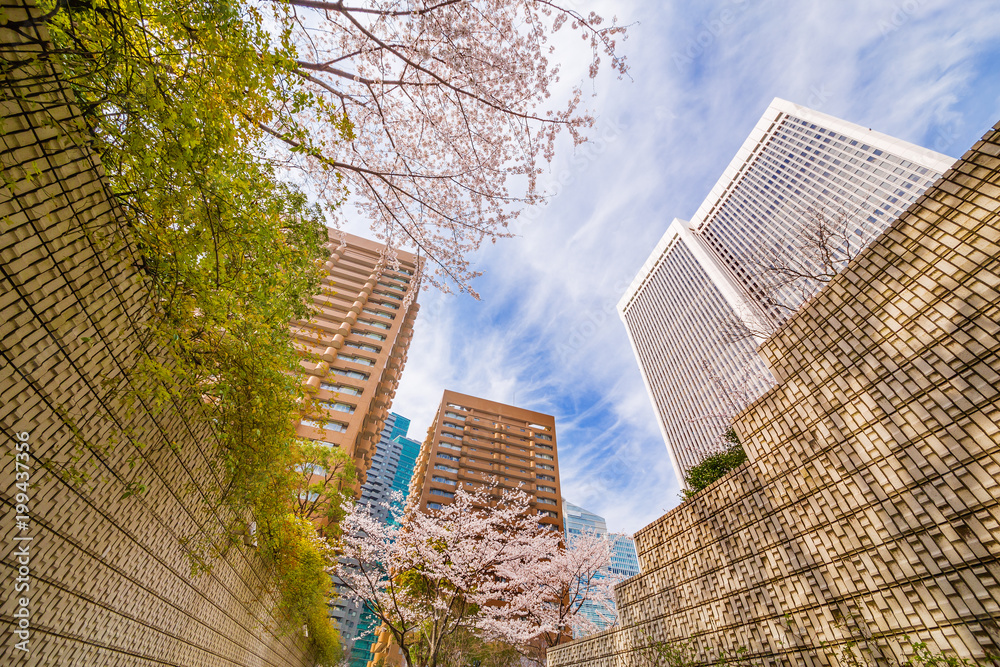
450, 108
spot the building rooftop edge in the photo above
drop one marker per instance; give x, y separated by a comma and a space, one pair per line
458, 396
774, 111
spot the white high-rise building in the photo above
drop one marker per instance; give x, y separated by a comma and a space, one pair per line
734, 262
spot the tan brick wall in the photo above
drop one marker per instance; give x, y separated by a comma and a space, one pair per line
111, 580
874, 476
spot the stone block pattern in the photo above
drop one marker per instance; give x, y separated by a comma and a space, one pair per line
869, 505
111, 580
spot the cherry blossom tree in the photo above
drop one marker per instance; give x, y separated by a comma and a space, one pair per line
471, 566
575, 580
434, 116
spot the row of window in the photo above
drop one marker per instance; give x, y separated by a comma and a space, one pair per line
336, 427
364, 361
451, 457
338, 407
340, 388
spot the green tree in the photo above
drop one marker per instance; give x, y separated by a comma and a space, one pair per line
324, 480
172, 94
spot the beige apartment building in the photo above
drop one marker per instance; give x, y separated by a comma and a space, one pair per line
473, 440
354, 348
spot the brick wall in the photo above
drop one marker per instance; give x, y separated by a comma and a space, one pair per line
110, 573
872, 489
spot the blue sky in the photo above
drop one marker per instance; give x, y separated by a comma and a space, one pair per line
546, 329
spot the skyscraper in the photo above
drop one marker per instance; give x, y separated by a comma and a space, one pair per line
624, 559
578, 521
624, 562
473, 440
708, 276
391, 470
354, 348
392, 466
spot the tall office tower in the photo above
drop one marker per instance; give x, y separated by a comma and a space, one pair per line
354, 348
473, 440
705, 278
624, 561
391, 470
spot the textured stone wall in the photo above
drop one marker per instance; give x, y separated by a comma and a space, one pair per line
110, 573
870, 500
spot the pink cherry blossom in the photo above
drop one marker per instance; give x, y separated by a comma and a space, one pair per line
448, 113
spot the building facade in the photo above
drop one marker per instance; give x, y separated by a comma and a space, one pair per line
714, 286
624, 561
354, 348
473, 440
578, 521
382, 476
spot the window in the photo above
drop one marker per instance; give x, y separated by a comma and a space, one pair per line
443, 480
554, 515
544, 466
455, 415
542, 436
447, 456
358, 375
377, 325
442, 492
547, 501
363, 346
324, 443
547, 478
545, 447
340, 388
364, 361
389, 296
455, 426
544, 456
370, 334
329, 426
448, 445
546, 489
339, 407
441, 466
378, 313
434, 506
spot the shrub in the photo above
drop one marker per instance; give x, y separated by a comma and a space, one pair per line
714, 467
